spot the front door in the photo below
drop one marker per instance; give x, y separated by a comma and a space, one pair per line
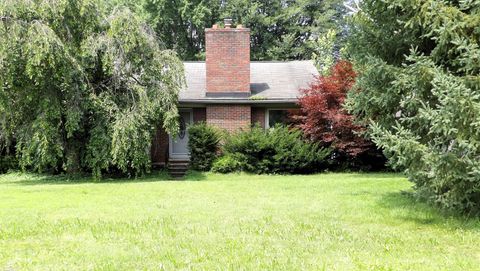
179, 144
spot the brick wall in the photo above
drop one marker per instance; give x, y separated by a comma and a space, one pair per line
229, 117
258, 116
227, 60
199, 114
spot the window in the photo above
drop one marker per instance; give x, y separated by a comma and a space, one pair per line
277, 116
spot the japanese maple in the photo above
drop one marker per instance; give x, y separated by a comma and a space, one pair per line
322, 117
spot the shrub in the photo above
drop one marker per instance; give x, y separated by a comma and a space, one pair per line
293, 154
228, 163
278, 150
203, 144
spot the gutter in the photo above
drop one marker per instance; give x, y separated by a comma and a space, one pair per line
240, 101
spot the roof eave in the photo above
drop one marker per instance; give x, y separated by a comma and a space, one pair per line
240, 101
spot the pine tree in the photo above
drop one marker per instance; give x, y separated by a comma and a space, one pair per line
419, 91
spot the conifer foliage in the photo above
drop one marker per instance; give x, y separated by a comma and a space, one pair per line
419, 91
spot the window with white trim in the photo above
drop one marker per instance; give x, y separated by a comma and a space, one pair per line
277, 116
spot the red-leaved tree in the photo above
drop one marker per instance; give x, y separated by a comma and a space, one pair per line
323, 119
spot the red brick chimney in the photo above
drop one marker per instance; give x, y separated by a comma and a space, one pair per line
228, 60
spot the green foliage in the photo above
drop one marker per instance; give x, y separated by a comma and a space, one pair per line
203, 144
280, 29
8, 162
284, 29
181, 24
229, 163
83, 90
419, 89
323, 56
278, 150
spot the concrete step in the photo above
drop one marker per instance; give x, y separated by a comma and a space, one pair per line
178, 168
177, 171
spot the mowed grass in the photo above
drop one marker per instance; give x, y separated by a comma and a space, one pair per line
228, 222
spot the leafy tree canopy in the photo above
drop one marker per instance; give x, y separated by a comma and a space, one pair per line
419, 89
81, 90
280, 29
323, 119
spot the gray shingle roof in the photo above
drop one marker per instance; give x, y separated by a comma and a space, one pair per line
269, 82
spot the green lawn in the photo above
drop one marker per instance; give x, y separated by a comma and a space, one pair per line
217, 222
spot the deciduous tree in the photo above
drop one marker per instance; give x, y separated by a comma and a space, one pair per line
81, 90
323, 119
280, 29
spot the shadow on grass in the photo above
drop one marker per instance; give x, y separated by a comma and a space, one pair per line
375, 175
406, 207
154, 176
193, 175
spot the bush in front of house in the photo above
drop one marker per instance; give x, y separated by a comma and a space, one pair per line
229, 163
203, 144
278, 150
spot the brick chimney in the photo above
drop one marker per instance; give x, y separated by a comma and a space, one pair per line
228, 60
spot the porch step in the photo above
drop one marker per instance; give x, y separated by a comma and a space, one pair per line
177, 165
177, 168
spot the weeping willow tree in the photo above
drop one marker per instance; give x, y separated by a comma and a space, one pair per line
82, 90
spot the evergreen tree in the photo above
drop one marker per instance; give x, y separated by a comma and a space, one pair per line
419, 90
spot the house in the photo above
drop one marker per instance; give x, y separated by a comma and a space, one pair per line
232, 92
